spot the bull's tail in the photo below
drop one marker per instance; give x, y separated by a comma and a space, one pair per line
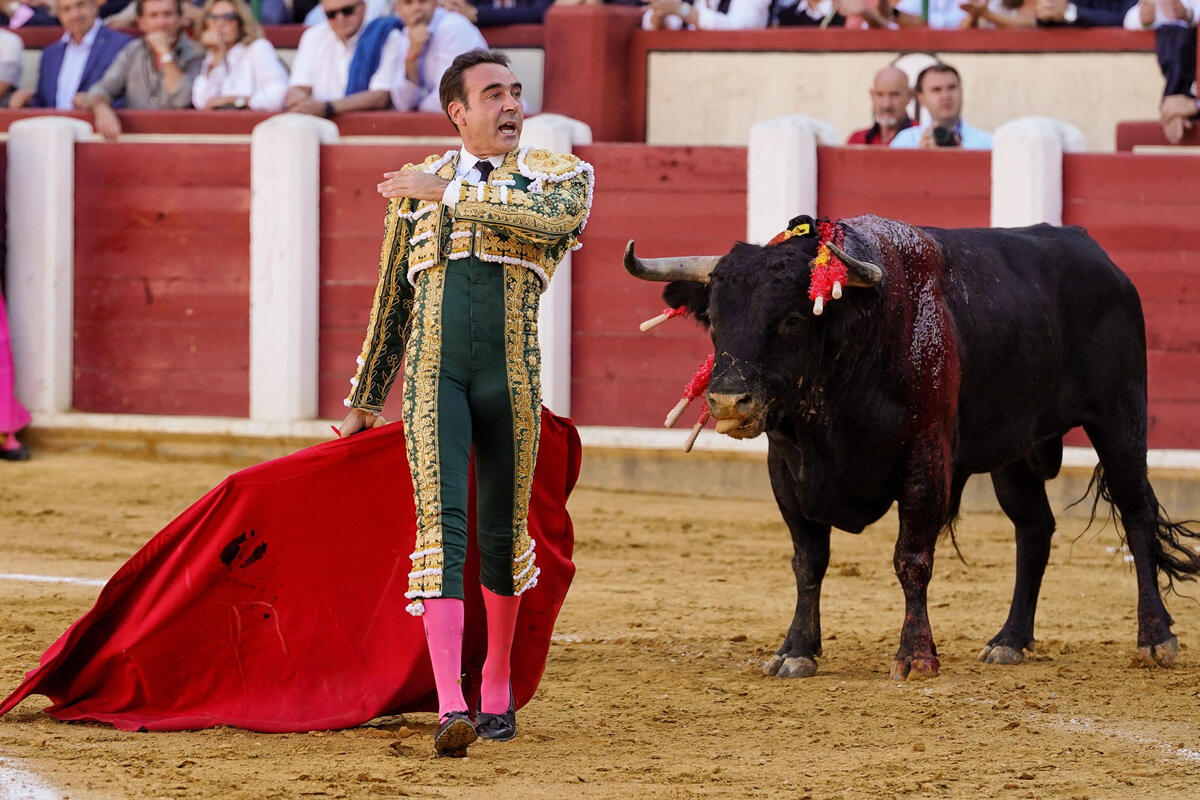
1173, 554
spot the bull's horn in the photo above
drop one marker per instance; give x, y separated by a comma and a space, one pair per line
680, 268
862, 273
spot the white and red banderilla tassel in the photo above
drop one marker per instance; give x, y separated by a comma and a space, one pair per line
697, 386
667, 313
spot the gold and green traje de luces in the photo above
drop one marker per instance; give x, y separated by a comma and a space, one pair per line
457, 305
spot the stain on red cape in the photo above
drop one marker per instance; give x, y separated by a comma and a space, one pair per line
276, 602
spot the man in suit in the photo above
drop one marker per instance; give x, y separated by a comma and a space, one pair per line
76, 61
472, 239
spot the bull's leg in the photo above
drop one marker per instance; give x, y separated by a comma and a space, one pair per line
1124, 481
796, 657
1022, 496
924, 504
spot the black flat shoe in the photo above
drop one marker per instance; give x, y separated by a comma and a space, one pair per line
498, 727
454, 735
16, 454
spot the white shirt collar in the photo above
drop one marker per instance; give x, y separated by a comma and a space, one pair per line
467, 162
89, 38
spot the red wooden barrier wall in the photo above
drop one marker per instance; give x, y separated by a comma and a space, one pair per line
352, 215
162, 265
673, 201
923, 187
1142, 210
162, 243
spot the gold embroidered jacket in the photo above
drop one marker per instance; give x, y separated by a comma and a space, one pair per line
530, 213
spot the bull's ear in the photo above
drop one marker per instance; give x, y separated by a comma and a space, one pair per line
692, 294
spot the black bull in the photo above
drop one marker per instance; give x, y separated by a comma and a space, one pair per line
964, 351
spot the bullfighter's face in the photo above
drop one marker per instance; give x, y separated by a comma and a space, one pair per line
490, 119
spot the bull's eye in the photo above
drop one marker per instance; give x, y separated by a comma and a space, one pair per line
791, 323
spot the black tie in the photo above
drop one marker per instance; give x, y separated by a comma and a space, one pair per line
485, 168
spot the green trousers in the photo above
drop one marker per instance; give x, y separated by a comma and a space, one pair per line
472, 382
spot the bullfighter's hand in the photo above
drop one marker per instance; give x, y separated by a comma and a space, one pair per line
414, 184
359, 420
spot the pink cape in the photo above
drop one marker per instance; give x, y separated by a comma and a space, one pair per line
276, 602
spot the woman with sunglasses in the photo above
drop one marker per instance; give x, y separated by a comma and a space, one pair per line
241, 68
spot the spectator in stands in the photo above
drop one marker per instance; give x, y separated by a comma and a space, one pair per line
155, 71
942, 14
1083, 13
939, 91
76, 61
241, 68
1174, 26
375, 9
339, 66
486, 13
999, 13
821, 13
890, 97
18, 13
717, 15
432, 38
11, 48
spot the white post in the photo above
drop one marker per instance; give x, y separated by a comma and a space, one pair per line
557, 133
1027, 170
781, 172
285, 157
41, 257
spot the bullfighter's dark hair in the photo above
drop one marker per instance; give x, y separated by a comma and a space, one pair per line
139, 6
937, 67
451, 87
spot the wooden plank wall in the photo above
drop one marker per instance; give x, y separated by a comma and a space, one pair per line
922, 187
674, 201
1142, 210
352, 215
162, 243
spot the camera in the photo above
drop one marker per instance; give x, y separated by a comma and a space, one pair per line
945, 137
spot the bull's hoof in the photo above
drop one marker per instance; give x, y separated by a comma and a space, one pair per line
1163, 654
1001, 654
780, 666
916, 669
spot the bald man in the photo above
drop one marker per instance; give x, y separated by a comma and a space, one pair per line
890, 97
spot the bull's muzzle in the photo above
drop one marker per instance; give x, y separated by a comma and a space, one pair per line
737, 415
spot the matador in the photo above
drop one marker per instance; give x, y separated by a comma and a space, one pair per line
472, 239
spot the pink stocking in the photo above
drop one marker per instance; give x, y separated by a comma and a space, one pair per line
444, 634
501, 624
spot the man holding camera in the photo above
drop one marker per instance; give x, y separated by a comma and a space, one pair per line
939, 91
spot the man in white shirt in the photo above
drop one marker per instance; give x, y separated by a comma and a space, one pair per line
944, 14
715, 15
321, 69
432, 38
939, 91
11, 48
76, 61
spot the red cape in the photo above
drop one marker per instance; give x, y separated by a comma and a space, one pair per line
276, 602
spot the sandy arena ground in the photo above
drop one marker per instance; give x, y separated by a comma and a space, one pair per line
654, 687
